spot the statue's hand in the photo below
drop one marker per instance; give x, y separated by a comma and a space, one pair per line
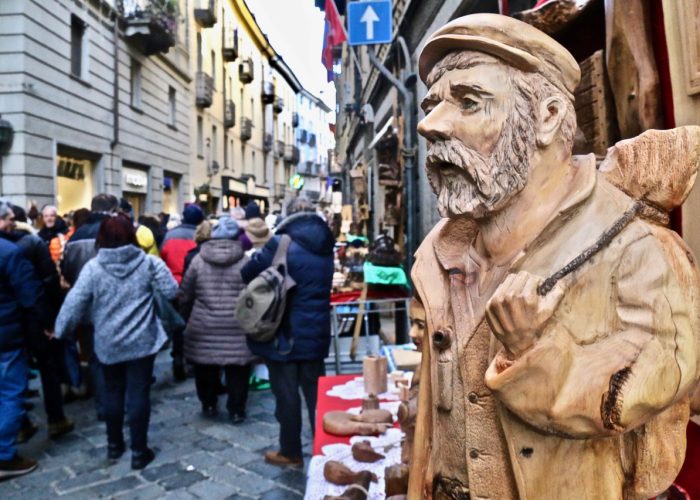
516, 313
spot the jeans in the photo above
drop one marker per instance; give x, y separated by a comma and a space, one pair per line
286, 378
95, 369
128, 382
13, 381
71, 361
237, 377
49, 357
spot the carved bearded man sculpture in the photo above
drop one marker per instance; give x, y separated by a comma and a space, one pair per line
562, 322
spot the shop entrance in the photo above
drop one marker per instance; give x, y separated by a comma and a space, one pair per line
135, 188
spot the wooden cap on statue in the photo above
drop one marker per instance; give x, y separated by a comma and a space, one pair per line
515, 42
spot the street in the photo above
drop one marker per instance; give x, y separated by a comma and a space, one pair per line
196, 457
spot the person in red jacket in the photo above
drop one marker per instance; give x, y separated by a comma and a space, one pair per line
175, 247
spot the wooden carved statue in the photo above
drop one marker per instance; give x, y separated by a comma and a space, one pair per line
562, 315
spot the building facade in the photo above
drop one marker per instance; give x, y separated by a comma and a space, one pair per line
315, 139
95, 102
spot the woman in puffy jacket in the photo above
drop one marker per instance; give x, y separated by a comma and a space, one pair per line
115, 292
213, 338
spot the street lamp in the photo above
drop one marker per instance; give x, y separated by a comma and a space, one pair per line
6, 134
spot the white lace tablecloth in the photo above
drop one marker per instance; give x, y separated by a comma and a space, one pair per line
355, 389
388, 444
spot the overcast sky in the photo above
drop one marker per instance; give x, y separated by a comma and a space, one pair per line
295, 30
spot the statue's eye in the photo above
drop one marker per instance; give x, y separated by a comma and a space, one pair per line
469, 104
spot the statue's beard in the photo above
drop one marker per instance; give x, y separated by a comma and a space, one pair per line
468, 184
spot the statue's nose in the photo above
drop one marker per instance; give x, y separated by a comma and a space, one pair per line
435, 126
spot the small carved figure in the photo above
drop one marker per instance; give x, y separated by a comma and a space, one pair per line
368, 423
363, 452
563, 318
339, 473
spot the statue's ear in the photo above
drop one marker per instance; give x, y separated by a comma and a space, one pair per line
549, 119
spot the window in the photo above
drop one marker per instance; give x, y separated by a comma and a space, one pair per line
252, 109
135, 83
213, 67
230, 160
77, 40
230, 87
214, 144
252, 163
172, 107
200, 137
225, 154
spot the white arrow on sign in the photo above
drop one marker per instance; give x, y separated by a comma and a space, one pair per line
369, 18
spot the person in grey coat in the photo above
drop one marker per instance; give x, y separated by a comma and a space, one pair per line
213, 338
115, 292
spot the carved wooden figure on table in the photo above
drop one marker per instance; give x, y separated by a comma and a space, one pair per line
562, 315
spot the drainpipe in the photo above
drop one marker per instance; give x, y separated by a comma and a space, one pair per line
408, 149
115, 102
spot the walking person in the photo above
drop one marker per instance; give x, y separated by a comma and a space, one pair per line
117, 288
48, 353
21, 298
176, 244
296, 360
78, 251
213, 338
54, 231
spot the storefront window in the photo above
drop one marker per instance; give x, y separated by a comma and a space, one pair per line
74, 183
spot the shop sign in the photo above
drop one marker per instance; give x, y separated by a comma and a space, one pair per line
134, 180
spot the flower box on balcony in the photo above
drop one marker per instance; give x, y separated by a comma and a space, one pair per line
152, 24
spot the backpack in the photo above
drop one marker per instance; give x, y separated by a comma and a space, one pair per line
262, 303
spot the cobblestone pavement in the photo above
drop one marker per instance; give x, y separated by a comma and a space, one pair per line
196, 457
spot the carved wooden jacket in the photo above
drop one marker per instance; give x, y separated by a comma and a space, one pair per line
597, 408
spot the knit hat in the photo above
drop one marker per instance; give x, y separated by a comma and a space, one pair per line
192, 215
226, 229
252, 211
258, 232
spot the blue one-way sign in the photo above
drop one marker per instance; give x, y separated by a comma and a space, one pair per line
369, 22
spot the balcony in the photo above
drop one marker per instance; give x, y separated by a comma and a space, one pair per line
205, 89
245, 71
268, 92
268, 143
312, 140
229, 114
295, 119
229, 50
291, 154
205, 13
278, 105
303, 136
151, 24
246, 129
279, 149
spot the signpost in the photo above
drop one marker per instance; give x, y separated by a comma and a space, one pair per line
369, 22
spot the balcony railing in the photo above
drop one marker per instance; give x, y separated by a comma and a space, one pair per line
205, 13
295, 119
229, 50
205, 89
246, 129
267, 94
150, 23
303, 136
278, 105
245, 71
291, 154
229, 114
280, 148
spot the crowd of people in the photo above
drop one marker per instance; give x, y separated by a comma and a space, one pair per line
84, 300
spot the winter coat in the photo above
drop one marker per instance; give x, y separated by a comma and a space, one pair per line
208, 296
307, 318
176, 243
114, 294
81, 247
55, 237
35, 250
20, 297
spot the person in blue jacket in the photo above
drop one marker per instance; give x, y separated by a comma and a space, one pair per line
296, 361
21, 301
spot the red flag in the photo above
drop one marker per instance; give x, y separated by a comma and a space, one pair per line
333, 35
